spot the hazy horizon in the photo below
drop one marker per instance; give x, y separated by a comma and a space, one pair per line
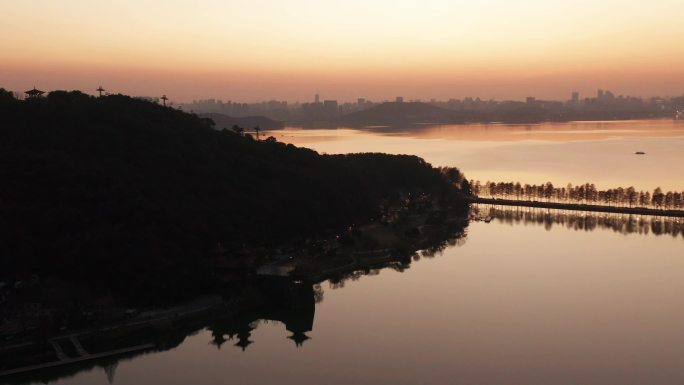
261, 50
310, 98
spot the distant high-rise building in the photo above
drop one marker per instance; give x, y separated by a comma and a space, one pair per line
317, 98
575, 97
330, 107
599, 94
531, 100
400, 99
360, 102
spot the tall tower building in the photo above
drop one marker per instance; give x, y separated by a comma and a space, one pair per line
317, 98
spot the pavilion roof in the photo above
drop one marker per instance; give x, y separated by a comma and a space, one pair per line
34, 91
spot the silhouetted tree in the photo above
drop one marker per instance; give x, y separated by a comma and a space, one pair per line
239, 130
658, 198
585, 193
6, 96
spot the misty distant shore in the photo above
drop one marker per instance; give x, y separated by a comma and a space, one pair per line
605, 106
416, 113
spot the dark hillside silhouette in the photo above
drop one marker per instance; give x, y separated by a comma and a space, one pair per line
130, 196
222, 121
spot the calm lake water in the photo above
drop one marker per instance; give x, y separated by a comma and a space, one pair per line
533, 297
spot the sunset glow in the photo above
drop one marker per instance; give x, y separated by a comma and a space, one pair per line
255, 50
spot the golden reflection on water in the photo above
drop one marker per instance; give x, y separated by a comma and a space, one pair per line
512, 304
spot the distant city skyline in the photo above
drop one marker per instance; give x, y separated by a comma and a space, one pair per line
603, 104
575, 96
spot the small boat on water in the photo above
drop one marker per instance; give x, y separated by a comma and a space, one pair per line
639, 153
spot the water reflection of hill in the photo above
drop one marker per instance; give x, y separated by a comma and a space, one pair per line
291, 303
265, 299
493, 132
582, 221
449, 237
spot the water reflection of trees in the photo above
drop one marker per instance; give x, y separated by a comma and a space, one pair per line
440, 238
582, 220
292, 303
282, 301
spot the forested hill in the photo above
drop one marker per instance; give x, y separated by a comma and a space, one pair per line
130, 194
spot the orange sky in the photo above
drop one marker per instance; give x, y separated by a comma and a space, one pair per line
262, 49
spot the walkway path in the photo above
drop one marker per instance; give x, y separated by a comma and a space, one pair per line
66, 360
79, 348
580, 207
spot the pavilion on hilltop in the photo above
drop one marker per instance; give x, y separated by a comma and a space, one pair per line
34, 93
